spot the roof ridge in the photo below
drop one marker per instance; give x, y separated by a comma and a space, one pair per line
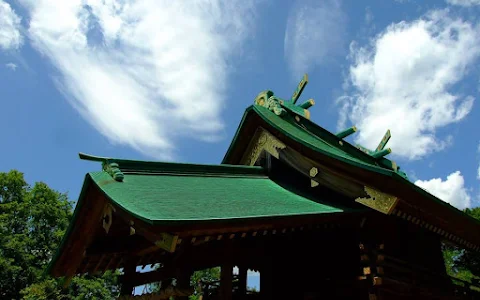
157, 167
378, 156
299, 115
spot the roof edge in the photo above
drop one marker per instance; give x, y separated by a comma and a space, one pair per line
156, 167
87, 183
434, 198
237, 133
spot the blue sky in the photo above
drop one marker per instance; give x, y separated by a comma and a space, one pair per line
158, 81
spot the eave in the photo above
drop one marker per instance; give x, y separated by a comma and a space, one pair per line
415, 204
89, 247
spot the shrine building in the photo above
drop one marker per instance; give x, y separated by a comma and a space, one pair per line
317, 217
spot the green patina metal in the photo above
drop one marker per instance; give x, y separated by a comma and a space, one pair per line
289, 112
384, 141
307, 104
272, 103
381, 153
109, 166
113, 170
349, 131
299, 89
281, 106
211, 194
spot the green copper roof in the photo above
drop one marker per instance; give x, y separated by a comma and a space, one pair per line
294, 122
315, 137
177, 194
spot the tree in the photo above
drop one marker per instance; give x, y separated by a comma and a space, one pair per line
463, 263
468, 259
202, 276
81, 287
32, 224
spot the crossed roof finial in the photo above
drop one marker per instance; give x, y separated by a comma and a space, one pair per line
281, 106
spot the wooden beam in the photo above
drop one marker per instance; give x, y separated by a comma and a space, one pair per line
100, 261
299, 89
88, 220
162, 240
323, 175
183, 283
109, 263
118, 245
267, 285
149, 277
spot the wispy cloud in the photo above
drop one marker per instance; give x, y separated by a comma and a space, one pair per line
465, 3
315, 33
478, 154
452, 190
10, 36
368, 15
143, 73
403, 81
11, 66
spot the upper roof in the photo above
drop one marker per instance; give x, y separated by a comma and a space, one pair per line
294, 121
318, 139
160, 193
292, 127
328, 144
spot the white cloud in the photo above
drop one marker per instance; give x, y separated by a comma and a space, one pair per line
143, 73
452, 190
315, 32
465, 3
11, 66
403, 81
10, 36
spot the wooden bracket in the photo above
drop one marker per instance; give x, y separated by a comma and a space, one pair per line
379, 201
107, 217
167, 242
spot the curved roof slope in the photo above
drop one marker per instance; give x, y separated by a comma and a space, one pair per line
309, 134
160, 193
363, 165
306, 132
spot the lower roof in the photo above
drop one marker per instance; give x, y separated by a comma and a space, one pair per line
160, 198
190, 195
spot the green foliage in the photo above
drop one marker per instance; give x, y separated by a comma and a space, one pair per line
463, 263
32, 224
473, 212
198, 277
83, 287
467, 259
207, 275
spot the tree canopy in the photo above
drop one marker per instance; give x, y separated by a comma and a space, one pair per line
463, 263
32, 223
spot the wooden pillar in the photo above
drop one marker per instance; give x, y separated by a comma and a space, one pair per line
266, 280
129, 270
226, 281
183, 283
242, 280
